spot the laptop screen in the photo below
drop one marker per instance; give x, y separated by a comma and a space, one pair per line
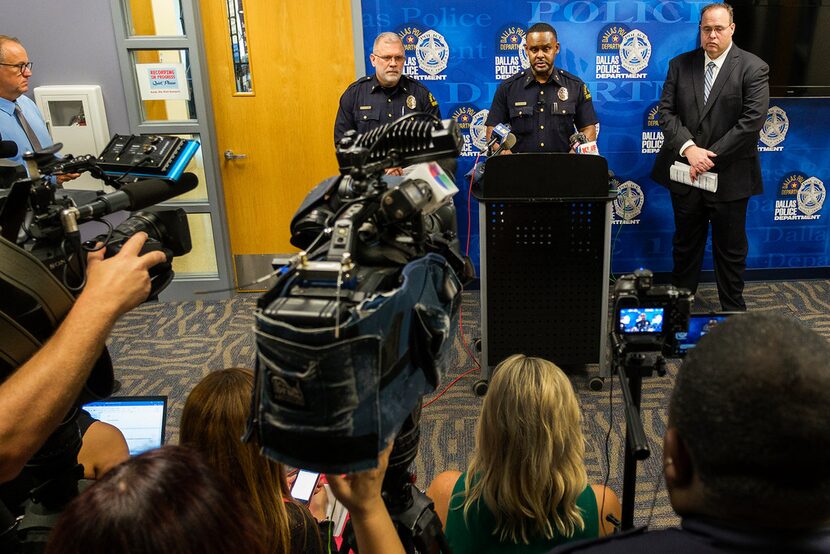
141, 419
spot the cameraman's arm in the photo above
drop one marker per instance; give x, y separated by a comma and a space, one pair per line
36, 397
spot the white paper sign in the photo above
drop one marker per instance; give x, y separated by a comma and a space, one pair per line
162, 81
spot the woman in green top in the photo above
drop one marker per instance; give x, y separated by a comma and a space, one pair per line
526, 489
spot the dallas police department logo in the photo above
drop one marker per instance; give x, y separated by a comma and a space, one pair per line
629, 202
409, 36
621, 52
478, 130
432, 54
811, 195
799, 198
524, 60
635, 51
463, 116
509, 49
774, 130
652, 138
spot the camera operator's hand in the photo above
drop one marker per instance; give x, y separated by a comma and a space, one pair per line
119, 284
360, 493
37, 396
394, 171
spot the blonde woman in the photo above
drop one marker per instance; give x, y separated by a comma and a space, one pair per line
525, 489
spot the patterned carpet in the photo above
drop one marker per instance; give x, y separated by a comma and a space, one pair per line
165, 349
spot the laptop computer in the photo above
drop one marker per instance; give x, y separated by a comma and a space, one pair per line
142, 419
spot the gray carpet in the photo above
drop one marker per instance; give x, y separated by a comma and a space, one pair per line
167, 348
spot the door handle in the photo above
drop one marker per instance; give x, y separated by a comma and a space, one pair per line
229, 155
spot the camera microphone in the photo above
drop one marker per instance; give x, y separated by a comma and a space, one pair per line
137, 196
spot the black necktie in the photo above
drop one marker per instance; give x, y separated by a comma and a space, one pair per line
30, 133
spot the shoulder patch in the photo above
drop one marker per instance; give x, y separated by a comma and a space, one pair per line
432, 101
585, 92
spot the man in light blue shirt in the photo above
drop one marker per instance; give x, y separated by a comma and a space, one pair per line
20, 119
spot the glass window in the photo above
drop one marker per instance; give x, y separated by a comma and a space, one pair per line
201, 261
239, 47
165, 85
155, 18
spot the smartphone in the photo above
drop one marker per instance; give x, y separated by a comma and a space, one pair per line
304, 485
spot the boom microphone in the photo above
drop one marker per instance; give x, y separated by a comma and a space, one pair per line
137, 196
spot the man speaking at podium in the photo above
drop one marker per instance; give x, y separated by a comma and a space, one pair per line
543, 105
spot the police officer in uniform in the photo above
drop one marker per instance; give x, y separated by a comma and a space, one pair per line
543, 105
385, 96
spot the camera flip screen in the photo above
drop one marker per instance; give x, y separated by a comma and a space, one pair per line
641, 320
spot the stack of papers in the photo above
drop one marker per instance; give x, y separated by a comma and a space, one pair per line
680, 172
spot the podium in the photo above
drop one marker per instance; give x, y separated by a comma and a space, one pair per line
545, 232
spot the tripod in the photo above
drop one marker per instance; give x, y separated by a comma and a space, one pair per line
631, 367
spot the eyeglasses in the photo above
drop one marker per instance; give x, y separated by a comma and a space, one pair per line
387, 59
708, 30
21, 67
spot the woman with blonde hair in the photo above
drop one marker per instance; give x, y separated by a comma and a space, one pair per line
213, 421
526, 489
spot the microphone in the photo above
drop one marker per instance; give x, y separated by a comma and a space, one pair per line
508, 143
8, 149
498, 134
581, 145
137, 196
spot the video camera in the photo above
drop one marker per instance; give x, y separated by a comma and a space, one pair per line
358, 325
42, 268
645, 315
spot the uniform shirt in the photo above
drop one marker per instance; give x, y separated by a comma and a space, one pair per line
542, 115
10, 128
366, 105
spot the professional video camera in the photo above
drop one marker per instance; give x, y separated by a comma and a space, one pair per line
646, 318
357, 327
42, 268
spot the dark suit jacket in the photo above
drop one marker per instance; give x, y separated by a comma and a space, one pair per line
728, 124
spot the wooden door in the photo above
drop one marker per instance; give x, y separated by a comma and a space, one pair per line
301, 57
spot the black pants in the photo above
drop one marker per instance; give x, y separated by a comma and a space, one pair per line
693, 213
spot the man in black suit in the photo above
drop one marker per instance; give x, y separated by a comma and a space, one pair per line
713, 106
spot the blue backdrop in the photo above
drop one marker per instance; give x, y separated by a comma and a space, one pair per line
462, 50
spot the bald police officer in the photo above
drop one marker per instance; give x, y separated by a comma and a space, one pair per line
543, 105
385, 96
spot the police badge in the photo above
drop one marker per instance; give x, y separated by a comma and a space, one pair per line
562, 93
410, 102
811, 195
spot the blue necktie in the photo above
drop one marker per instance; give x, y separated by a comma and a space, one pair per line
708, 80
